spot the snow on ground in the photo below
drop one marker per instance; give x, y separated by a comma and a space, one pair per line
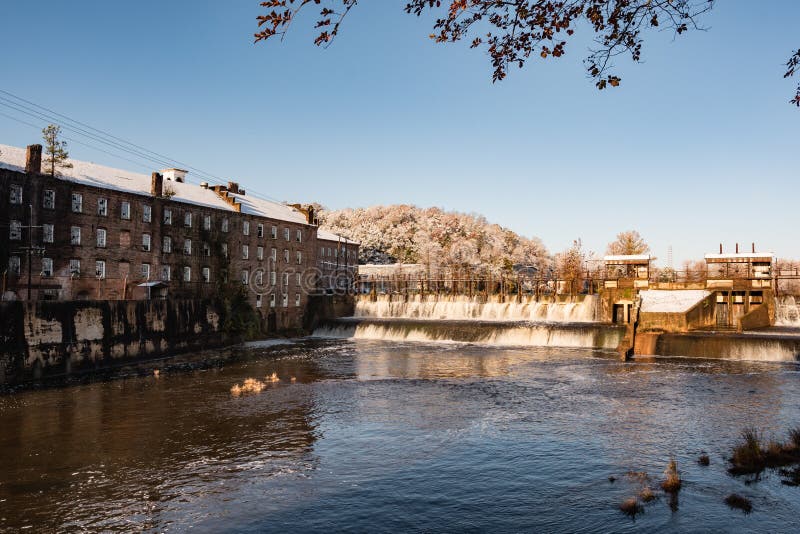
671, 301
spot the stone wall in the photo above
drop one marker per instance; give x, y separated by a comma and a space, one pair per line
51, 338
321, 308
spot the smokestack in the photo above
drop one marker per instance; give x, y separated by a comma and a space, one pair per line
737, 248
33, 159
754, 248
720, 248
156, 185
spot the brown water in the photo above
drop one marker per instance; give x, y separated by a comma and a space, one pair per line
378, 436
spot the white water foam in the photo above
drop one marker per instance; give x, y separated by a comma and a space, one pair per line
506, 336
463, 307
787, 312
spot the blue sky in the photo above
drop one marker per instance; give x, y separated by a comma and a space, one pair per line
697, 146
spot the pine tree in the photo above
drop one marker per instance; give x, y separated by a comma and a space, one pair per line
55, 149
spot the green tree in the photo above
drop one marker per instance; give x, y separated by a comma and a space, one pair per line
512, 31
55, 150
628, 243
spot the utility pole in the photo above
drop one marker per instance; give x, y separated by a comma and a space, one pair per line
30, 247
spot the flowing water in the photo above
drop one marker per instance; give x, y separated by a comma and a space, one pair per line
377, 436
462, 307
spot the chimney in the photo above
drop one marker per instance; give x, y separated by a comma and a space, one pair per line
737, 248
720, 248
754, 247
310, 215
33, 159
233, 187
156, 185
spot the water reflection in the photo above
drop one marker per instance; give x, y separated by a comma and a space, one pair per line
385, 437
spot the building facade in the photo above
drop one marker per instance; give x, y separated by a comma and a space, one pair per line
106, 234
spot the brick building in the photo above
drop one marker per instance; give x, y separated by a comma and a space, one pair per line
101, 233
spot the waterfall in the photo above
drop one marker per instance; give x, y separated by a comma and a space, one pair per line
787, 312
592, 336
462, 307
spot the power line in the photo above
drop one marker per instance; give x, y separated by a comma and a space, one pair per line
103, 137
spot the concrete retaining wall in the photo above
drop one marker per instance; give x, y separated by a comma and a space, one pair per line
55, 338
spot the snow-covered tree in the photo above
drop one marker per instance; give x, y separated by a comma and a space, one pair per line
628, 243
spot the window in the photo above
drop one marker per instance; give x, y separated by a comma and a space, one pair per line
245, 252
206, 250
258, 301
101, 237
16, 194
147, 213
299, 256
166, 273
225, 250
298, 279
246, 227
299, 236
286, 234
285, 300
187, 273
260, 230
273, 277
274, 254
187, 247
49, 199
75, 235
259, 278
336, 252
274, 232
297, 299
77, 203
74, 267
225, 224
224, 274
187, 219
207, 222
272, 300
245, 277
47, 267
146, 242
13, 265
260, 253
102, 206
285, 279
322, 252
48, 233
146, 271
100, 269
167, 216
125, 210
286, 255
166, 244
206, 275
329, 252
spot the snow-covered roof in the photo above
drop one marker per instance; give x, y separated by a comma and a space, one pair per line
627, 258
330, 236
88, 173
767, 256
671, 301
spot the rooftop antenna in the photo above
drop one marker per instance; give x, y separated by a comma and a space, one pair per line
669, 256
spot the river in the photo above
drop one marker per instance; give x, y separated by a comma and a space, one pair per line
396, 436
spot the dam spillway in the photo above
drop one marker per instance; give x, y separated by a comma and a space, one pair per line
507, 333
492, 308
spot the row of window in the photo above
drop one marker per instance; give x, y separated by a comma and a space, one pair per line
49, 202
334, 251
15, 234
14, 264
